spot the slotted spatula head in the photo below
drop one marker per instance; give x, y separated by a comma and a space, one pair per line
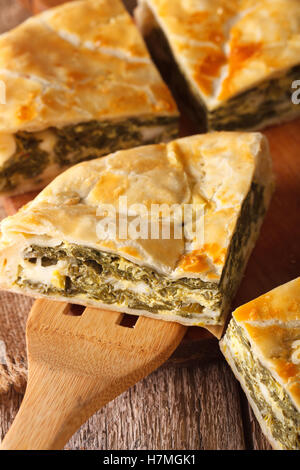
77, 362
95, 342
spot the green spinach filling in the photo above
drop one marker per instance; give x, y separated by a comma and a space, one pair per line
87, 140
261, 103
252, 213
83, 141
95, 274
89, 271
28, 161
286, 431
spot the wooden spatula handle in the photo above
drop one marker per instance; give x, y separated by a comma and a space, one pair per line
53, 409
77, 364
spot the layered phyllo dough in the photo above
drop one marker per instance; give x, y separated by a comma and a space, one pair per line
79, 84
67, 245
262, 346
232, 62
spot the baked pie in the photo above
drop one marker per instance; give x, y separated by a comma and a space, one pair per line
79, 84
262, 346
162, 230
232, 62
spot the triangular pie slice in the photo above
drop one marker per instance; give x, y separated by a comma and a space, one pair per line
98, 234
262, 346
79, 84
234, 63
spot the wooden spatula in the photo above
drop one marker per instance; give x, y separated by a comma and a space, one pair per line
78, 362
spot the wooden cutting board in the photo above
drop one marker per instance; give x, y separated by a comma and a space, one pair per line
276, 257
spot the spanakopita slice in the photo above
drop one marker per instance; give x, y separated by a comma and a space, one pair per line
262, 346
161, 230
79, 84
233, 62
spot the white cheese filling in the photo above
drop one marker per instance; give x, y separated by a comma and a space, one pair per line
49, 275
55, 276
151, 132
138, 287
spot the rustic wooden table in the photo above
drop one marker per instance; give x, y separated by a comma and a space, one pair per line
196, 407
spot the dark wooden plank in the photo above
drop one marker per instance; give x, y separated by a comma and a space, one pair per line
177, 408
220, 421
11, 14
9, 405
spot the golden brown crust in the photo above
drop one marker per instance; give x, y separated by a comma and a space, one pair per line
81, 61
226, 47
280, 304
272, 325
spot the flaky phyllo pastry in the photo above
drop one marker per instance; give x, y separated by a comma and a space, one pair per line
262, 346
53, 247
233, 61
79, 84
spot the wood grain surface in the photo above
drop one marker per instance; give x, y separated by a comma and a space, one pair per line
199, 406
